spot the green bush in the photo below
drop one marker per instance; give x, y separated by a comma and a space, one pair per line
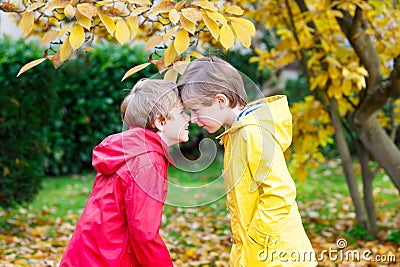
27, 108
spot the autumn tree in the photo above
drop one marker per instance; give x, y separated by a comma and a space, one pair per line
347, 49
349, 53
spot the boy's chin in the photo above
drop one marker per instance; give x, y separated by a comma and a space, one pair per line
211, 130
184, 139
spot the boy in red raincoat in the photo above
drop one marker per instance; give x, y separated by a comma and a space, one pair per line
120, 223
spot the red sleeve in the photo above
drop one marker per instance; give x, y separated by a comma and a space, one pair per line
144, 201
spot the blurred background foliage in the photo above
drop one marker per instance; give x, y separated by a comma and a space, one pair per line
50, 120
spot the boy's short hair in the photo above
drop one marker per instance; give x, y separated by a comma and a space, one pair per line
149, 99
204, 78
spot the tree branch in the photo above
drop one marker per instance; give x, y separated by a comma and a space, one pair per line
362, 45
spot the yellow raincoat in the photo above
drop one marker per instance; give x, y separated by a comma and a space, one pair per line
266, 224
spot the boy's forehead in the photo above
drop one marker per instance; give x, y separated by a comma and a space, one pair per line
179, 106
192, 105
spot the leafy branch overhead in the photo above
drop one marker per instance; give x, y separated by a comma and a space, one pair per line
171, 29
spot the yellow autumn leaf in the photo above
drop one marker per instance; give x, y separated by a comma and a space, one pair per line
288, 58
57, 4
107, 21
174, 16
170, 33
59, 16
55, 60
153, 42
169, 54
205, 5
333, 71
34, 6
102, 3
216, 16
332, 60
48, 37
171, 75
69, 11
337, 13
181, 66
335, 91
163, 7
65, 50
235, 10
242, 34
188, 25
178, 6
227, 38
122, 33
319, 81
139, 10
212, 26
140, 2
135, 69
77, 37
182, 41
362, 71
314, 59
83, 20
87, 9
133, 24
192, 14
247, 24
30, 65
6, 171
65, 29
195, 54
26, 23
360, 81
301, 173
346, 87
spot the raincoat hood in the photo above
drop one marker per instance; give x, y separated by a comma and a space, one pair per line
115, 151
273, 115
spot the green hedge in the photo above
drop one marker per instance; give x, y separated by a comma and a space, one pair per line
27, 108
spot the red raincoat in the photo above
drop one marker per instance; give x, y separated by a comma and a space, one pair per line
120, 223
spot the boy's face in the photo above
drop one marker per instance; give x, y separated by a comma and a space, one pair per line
176, 129
211, 118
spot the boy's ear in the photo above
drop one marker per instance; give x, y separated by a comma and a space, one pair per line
159, 124
221, 98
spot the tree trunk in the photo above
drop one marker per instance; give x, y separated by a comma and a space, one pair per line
381, 148
368, 178
345, 156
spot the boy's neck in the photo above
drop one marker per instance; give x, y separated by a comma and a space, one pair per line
232, 115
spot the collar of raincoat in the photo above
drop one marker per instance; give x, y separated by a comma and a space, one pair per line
274, 116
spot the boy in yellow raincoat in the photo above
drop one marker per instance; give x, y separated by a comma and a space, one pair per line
266, 224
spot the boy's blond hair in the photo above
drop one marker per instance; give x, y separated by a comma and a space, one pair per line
204, 78
149, 99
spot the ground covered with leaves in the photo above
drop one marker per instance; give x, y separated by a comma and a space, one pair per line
37, 235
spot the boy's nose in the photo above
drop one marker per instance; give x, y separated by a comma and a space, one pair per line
193, 118
186, 117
